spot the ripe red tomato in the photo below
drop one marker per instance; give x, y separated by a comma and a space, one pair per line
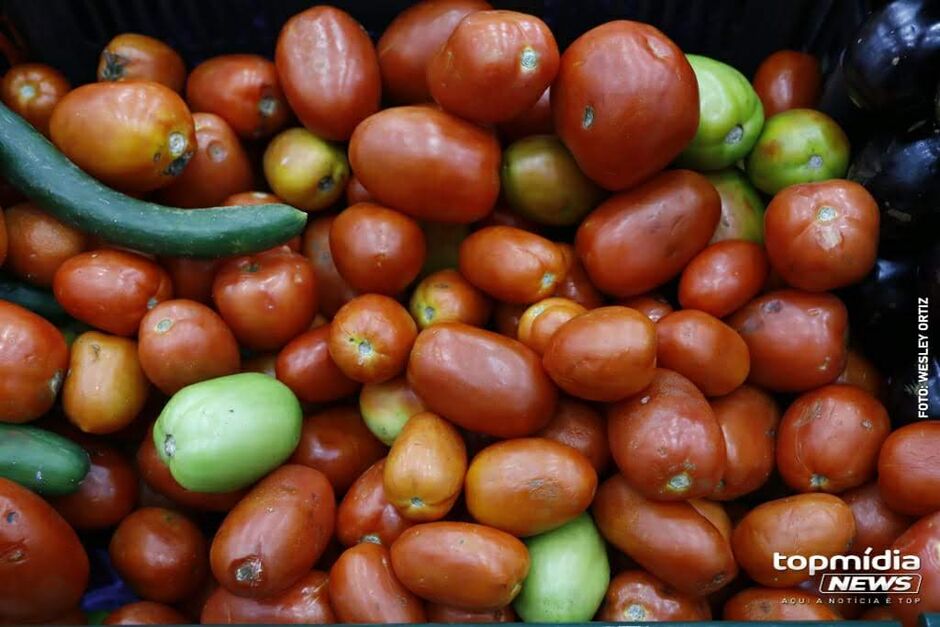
371, 337
448, 614
32, 90
778, 605
861, 372
446, 296
305, 602
145, 613
921, 540
106, 495
652, 305
909, 481
192, 278
365, 513
332, 289
134, 57
788, 79
636, 596
724, 277
536, 120
581, 427
364, 588
306, 367
876, 525
38, 243
576, 285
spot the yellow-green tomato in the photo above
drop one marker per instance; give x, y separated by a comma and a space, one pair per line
305, 171
742, 208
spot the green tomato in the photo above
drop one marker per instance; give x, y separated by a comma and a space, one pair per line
443, 245
568, 575
304, 170
730, 116
798, 146
742, 208
226, 433
542, 182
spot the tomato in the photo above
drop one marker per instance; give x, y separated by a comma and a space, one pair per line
306, 367
144, 613
37, 543
829, 439
576, 285
606, 354
371, 337
798, 146
621, 141
701, 347
377, 250
332, 289
427, 163
481, 381
673, 541
652, 305
822, 236
505, 52
32, 90
489, 564
38, 243
448, 614
777, 605
329, 70
907, 477
640, 239
805, 524
266, 299
133, 57
637, 596
33, 362
257, 555
876, 525
4, 242
364, 588
748, 419
536, 120
506, 319
106, 495
305, 170
366, 514
111, 290
742, 208
387, 406
307, 601
724, 277
337, 443
192, 278
788, 79
579, 426
921, 540
161, 554
861, 372
796, 340
243, 90
540, 321
445, 296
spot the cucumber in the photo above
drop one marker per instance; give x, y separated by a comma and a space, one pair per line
36, 299
47, 177
40, 460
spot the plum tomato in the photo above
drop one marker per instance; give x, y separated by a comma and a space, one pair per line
788, 79
921, 540
329, 70
306, 602
134, 57
619, 142
191, 277
366, 514
145, 613
536, 120
448, 614
106, 495
371, 337
332, 289
742, 208
33, 362
724, 277
777, 605
355, 192
666, 441
493, 52
640, 239
636, 596
306, 367
576, 285
907, 477
822, 236
796, 340
38, 243
445, 296
876, 525
506, 319
861, 372
606, 354
652, 305
364, 588
581, 427
243, 90
387, 406
540, 321
427, 163
135, 137
304, 170
33, 90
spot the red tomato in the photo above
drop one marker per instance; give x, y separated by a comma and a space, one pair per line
371, 337
876, 525
861, 372
192, 278
446, 296
329, 70
506, 319
907, 477
621, 141
145, 613
576, 285
777, 605
133, 57
536, 120
922, 540
651, 305
579, 426
306, 602
788, 79
636, 596
106, 495
448, 614
724, 277
38, 243
355, 192
364, 589
306, 367
32, 90
332, 289
365, 513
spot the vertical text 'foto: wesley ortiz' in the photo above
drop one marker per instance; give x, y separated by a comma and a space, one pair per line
923, 357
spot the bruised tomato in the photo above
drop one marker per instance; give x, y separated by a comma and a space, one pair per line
536, 120
106, 495
446, 296
243, 90
255, 554
788, 79
145, 613
371, 337
329, 71
540, 321
908, 478
448, 614
777, 605
307, 601
134, 57
724, 277
921, 540
364, 588
876, 525
366, 514
32, 90
796, 340
38, 243
640, 239
427, 163
111, 290
493, 52
332, 289
135, 137
576, 285
636, 596
481, 381
748, 419
621, 141
579, 426
306, 367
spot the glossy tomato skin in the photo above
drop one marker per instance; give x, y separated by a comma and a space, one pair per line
810, 524
796, 340
446, 296
371, 337
606, 354
364, 588
255, 554
922, 539
540, 321
332, 289
306, 367
579, 426
37, 542
490, 564
106, 495
638, 240
32, 90
305, 170
777, 604
376, 249
160, 553
748, 418
242, 89
111, 290
621, 141
337, 443
427, 163
135, 137
329, 70
366, 514
536, 120
876, 525
192, 278
38, 243
673, 541
829, 439
576, 285
652, 305
134, 57
448, 614
33, 362
788, 79
481, 381
505, 52
307, 601
637, 596
144, 613
266, 299
909, 482
724, 277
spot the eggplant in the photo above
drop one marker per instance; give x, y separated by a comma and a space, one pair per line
892, 65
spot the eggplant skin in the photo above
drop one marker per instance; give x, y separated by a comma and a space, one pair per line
893, 64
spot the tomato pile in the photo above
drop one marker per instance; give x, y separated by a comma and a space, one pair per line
564, 338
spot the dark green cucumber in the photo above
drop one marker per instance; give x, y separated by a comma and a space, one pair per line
41, 460
40, 171
34, 298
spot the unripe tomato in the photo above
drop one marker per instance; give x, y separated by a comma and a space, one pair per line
540, 321
306, 171
33, 90
134, 57
742, 208
386, 407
